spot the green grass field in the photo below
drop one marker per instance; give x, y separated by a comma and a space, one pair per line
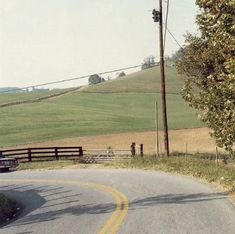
147, 81
113, 110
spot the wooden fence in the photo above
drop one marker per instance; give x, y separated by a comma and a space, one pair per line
72, 152
43, 153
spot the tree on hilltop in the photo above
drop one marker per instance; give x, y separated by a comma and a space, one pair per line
95, 79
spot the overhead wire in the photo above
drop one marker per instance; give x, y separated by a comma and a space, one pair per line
166, 29
166, 21
77, 78
174, 38
70, 79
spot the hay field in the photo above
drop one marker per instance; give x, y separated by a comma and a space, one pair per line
198, 140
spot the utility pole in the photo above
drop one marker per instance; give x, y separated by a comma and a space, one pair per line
157, 130
157, 17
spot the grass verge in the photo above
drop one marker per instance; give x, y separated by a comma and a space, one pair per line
47, 165
196, 167
8, 209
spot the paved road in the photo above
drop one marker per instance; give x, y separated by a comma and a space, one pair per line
108, 201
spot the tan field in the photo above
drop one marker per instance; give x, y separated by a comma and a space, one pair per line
197, 140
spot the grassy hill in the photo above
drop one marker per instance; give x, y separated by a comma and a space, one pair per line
10, 98
146, 81
13, 97
123, 105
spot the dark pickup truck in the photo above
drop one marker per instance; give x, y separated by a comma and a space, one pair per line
7, 163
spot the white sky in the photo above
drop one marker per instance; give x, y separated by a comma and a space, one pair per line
49, 40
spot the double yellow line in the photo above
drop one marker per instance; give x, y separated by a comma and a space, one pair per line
114, 223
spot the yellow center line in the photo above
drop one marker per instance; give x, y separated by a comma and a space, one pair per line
123, 214
114, 223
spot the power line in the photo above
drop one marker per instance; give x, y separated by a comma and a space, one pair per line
117, 92
174, 38
166, 27
70, 79
166, 21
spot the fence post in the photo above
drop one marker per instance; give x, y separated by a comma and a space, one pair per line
216, 159
29, 155
141, 150
80, 150
186, 151
133, 149
56, 153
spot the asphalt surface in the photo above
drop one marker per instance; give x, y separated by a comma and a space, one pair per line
60, 201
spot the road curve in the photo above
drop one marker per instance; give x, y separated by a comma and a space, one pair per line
115, 201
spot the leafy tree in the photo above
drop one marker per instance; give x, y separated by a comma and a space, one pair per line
148, 63
95, 79
209, 62
176, 56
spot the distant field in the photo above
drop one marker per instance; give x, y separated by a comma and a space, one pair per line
197, 140
89, 114
13, 97
6, 98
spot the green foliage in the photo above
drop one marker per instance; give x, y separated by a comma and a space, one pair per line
95, 79
175, 57
209, 63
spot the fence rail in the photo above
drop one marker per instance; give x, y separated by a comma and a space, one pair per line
72, 152
43, 153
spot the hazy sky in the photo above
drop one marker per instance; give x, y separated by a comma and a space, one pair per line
48, 40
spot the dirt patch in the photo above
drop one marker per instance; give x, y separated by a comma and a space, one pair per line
197, 140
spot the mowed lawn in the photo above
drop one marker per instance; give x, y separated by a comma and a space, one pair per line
84, 114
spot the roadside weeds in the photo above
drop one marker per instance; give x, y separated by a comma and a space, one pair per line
222, 176
205, 169
8, 210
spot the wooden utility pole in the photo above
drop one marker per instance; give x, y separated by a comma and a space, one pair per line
157, 130
157, 17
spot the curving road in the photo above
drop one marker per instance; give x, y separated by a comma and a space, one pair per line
108, 201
